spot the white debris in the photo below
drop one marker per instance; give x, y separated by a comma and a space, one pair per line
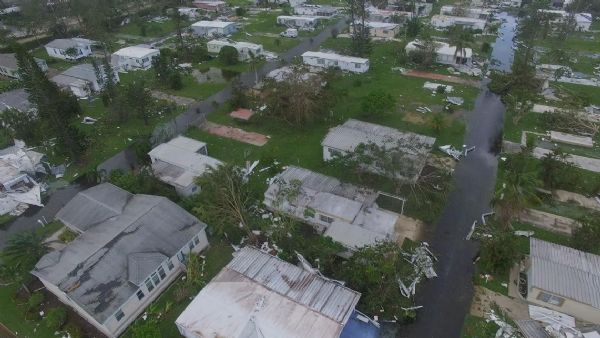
450, 150
523, 233
505, 330
434, 87
89, 120
470, 234
422, 261
455, 100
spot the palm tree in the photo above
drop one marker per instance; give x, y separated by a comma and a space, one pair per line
518, 190
437, 122
461, 38
25, 249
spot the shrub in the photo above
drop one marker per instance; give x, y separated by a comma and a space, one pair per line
67, 236
334, 32
240, 11
55, 318
34, 302
74, 330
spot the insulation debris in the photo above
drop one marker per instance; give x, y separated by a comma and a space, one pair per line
505, 330
422, 260
450, 150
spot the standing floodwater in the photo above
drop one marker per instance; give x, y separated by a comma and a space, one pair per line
503, 51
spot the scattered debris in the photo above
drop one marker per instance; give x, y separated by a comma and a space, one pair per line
455, 100
89, 120
433, 86
524, 233
450, 150
505, 330
423, 110
470, 234
242, 114
422, 261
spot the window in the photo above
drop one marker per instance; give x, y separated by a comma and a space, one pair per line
551, 299
191, 244
155, 278
357, 65
145, 60
170, 265
149, 285
119, 315
161, 272
321, 61
196, 240
326, 219
140, 294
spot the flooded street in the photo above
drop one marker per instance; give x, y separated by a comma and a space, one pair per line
446, 300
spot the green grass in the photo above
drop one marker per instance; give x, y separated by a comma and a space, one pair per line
477, 327
12, 310
153, 29
580, 41
590, 92
217, 256
570, 210
5, 219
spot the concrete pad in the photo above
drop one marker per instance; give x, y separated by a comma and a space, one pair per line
407, 227
568, 197
547, 221
576, 140
587, 163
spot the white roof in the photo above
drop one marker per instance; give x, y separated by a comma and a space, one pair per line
565, 272
136, 52
259, 295
236, 44
334, 56
214, 24
297, 17
376, 24
353, 236
337, 206
181, 161
441, 48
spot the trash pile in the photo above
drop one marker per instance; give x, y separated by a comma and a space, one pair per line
422, 260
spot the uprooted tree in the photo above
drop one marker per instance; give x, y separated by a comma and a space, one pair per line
298, 99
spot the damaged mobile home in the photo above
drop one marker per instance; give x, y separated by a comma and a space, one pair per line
410, 148
259, 295
129, 249
179, 161
19, 167
346, 213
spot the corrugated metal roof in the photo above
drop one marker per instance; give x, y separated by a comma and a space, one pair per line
319, 294
565, 272
335, 57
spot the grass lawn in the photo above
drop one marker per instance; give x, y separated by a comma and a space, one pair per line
589, 92
217, 256
12, 311
302, 146
152, 29
579, 41
476, 327
5, 219
570, 210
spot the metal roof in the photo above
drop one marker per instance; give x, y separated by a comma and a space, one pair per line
68, 43
213, 24
565, 272
182, 153
136, 52
531, 328
84, 71
94, 270
8, 61
17, 99
257, 292
334, 57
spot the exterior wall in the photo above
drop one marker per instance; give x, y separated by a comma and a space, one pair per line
326, 63
133, 307
569, 306
450, 59
243, 52
213, 31
82, 51
384, 32
127, 63
297, 22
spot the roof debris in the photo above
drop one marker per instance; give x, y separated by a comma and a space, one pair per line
422, 261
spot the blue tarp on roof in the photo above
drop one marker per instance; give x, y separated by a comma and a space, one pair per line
356, 328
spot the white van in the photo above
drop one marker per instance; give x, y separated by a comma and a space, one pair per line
290, 33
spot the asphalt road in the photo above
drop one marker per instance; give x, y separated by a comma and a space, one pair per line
446, 300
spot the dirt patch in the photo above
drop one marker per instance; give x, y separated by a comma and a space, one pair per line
416, 118
182, 101
483, 299
442, 162
407, 227
548, 221
441, 77
235, 134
